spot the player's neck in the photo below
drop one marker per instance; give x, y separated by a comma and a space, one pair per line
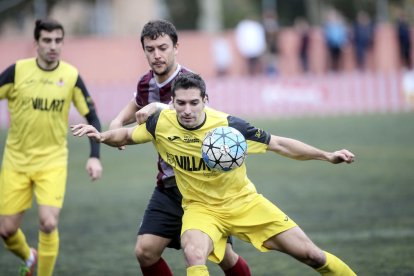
162, 78
46, 66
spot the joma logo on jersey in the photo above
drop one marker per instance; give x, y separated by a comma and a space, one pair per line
186, 139
188, 163
172, 138
45, 105
189, 139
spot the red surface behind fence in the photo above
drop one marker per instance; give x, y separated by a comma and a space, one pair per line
266, 97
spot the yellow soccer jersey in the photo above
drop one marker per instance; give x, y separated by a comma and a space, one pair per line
38, 103
181, 148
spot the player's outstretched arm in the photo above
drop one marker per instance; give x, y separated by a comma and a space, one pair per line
114, 138
300, 151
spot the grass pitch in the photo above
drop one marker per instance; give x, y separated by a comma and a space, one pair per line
363, 212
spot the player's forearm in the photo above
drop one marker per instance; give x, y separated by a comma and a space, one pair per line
93, 120
125, 117
116, 137
296, 149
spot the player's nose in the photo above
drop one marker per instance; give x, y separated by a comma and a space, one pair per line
157, 54
187, 109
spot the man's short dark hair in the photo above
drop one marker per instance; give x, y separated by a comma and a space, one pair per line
46, 25
156, 28
189, 80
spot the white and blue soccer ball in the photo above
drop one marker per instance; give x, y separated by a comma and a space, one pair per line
224, 148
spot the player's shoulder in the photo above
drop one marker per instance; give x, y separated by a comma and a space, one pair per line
168, 112
26, 62
167, 117
214, 113
67, 66
146, 78
184, 69
180, 70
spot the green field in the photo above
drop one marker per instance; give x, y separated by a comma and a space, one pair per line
363, 213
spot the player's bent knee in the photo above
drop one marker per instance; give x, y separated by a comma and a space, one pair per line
48, 225
8, 228
146, 254
7, 232
194, 255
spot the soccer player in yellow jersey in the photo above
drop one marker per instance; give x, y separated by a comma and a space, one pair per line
220, 204
40, 92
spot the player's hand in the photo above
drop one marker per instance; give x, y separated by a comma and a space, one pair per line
88, 130
342, 156
142, 115
94, 168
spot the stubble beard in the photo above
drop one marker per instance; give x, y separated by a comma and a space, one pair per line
165, 72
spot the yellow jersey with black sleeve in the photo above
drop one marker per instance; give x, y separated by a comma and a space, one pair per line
39, 103
181, 148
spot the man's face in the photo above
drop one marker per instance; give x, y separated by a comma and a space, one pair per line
160, 55
49, 48
189, 106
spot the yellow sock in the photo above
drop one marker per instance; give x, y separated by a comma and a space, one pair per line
197, 270
335, 267
17, 245
47, 252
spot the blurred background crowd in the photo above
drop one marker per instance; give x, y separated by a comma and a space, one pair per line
286, 37
344, 56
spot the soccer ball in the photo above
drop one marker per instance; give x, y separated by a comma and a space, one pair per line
224, 148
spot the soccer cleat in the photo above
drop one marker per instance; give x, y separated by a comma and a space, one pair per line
28, 270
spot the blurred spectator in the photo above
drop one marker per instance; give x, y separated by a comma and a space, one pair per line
303, 30
271, 28
404, 39
222, 55
335, 36
251, 42
363, 32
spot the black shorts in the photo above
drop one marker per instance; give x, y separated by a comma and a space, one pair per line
163, 216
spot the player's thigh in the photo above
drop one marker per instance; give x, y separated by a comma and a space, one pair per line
294, 242
259, 220
15, 192
194, 240
50, 186
199, 218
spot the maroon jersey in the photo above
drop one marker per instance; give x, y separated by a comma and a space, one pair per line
149, 91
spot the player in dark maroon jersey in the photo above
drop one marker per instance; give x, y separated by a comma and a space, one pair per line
161, 224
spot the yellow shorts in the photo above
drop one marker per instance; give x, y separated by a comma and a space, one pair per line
16, 189
254, 222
